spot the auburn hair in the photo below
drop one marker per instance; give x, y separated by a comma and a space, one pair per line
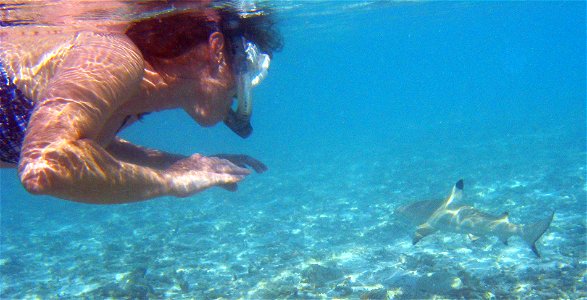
171, 35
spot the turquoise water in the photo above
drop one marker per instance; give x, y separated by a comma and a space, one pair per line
369, 106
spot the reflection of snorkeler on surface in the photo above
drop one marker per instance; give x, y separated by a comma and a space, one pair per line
88, 81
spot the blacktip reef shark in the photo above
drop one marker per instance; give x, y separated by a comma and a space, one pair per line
447, 215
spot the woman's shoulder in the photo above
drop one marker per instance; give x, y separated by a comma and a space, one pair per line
32, 39
31, 55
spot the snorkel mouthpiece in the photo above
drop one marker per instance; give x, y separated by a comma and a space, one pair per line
239, 124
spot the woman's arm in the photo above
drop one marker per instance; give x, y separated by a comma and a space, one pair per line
131, 153
60, 156
126, 151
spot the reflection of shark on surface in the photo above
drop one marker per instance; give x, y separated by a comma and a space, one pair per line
434, 215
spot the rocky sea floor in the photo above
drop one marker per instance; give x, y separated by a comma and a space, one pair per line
323, 229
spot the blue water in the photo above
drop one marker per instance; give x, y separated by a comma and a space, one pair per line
369, 106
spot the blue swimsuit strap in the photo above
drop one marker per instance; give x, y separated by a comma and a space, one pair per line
15, 112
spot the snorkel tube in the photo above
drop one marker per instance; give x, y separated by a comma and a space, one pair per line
250, 68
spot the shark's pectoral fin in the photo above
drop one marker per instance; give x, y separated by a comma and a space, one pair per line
505, 241
422, 231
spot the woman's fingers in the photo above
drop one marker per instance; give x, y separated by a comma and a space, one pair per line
189, 184
197, 173
244, 161
257, 165
227, 167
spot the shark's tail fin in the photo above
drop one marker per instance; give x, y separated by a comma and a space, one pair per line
532, 232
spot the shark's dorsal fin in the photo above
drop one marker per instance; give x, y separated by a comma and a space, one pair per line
456, 193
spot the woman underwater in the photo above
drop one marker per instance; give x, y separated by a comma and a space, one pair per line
67, 90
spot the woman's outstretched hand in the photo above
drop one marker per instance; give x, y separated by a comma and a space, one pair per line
196, 173
244, 161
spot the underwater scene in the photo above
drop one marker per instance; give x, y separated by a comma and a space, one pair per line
415, 150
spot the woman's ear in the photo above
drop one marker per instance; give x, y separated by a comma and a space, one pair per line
216, 43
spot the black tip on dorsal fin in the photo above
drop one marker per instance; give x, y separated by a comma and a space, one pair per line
505, 215
460, 184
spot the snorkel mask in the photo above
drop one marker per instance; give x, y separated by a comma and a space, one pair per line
250, 68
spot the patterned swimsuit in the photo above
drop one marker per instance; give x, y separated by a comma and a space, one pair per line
15, 112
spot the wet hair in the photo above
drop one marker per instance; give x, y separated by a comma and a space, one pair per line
171, 35
259, 28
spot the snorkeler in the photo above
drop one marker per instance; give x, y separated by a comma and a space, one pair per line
67, 90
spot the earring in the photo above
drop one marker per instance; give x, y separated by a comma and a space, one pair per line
220, 58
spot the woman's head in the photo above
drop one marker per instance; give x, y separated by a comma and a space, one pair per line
199, 44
